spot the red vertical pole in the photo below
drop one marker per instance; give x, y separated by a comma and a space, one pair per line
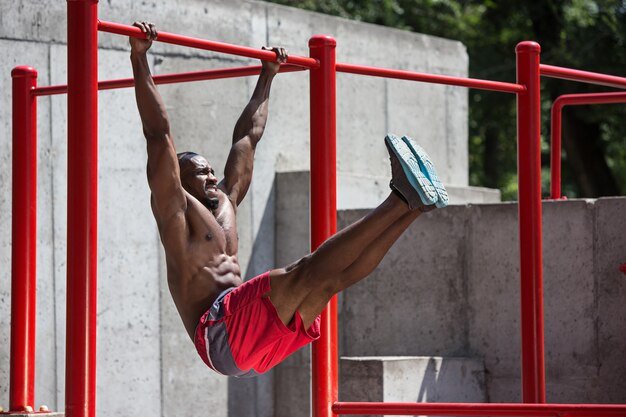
24, 239
324, 213
529, 180
82, 192
555, 151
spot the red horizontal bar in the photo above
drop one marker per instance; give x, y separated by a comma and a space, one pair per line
431, 78
582, 76
172, 78
226, 48
50, 90
479, 409
590, 98
555, 142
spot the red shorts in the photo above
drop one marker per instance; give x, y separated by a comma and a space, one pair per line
241, 334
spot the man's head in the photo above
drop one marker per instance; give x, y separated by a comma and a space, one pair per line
198, 178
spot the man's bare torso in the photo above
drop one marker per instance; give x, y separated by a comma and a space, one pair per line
201, 257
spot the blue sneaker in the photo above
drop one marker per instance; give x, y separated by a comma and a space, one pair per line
428, 169
407, 177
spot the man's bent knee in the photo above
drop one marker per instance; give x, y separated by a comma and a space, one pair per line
308, 275
306, 286
292, 281
319, 278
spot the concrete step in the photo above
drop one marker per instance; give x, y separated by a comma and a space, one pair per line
412, 379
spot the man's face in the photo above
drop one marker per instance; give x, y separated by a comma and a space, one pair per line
198, 178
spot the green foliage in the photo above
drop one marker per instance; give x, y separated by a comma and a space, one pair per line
583, 34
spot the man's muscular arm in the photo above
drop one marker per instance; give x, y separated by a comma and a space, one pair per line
248, 131
168, 196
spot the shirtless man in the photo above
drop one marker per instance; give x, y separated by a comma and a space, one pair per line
244, 329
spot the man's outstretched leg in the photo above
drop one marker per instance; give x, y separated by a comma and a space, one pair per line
355, 251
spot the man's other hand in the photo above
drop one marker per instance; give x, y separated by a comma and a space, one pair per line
271, 67
139, 45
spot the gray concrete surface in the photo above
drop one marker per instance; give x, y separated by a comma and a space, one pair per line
412, 379
610, 288
145, 360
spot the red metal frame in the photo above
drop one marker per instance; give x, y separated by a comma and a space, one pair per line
82, 210
24, 240
479, 409
172, 78
529, 207
323, 213
582, 76
431, 78
190, 42
555, 131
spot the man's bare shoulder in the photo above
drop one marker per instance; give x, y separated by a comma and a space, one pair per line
173, 227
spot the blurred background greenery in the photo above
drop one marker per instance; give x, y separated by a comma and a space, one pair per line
580, 34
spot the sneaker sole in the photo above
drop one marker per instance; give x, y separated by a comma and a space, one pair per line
428, 169
412, 171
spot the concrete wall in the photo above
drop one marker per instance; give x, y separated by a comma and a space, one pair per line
450, 287
144, 358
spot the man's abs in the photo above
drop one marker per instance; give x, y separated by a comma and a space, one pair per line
194, 294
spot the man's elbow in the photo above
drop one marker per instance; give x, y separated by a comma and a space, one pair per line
256, 133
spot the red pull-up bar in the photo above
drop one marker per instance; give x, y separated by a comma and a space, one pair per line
172, 78
582, 76
190, 42
431, 78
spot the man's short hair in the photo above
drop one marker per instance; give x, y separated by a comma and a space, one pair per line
185, 156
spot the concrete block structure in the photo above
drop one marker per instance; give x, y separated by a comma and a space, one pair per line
412, 379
